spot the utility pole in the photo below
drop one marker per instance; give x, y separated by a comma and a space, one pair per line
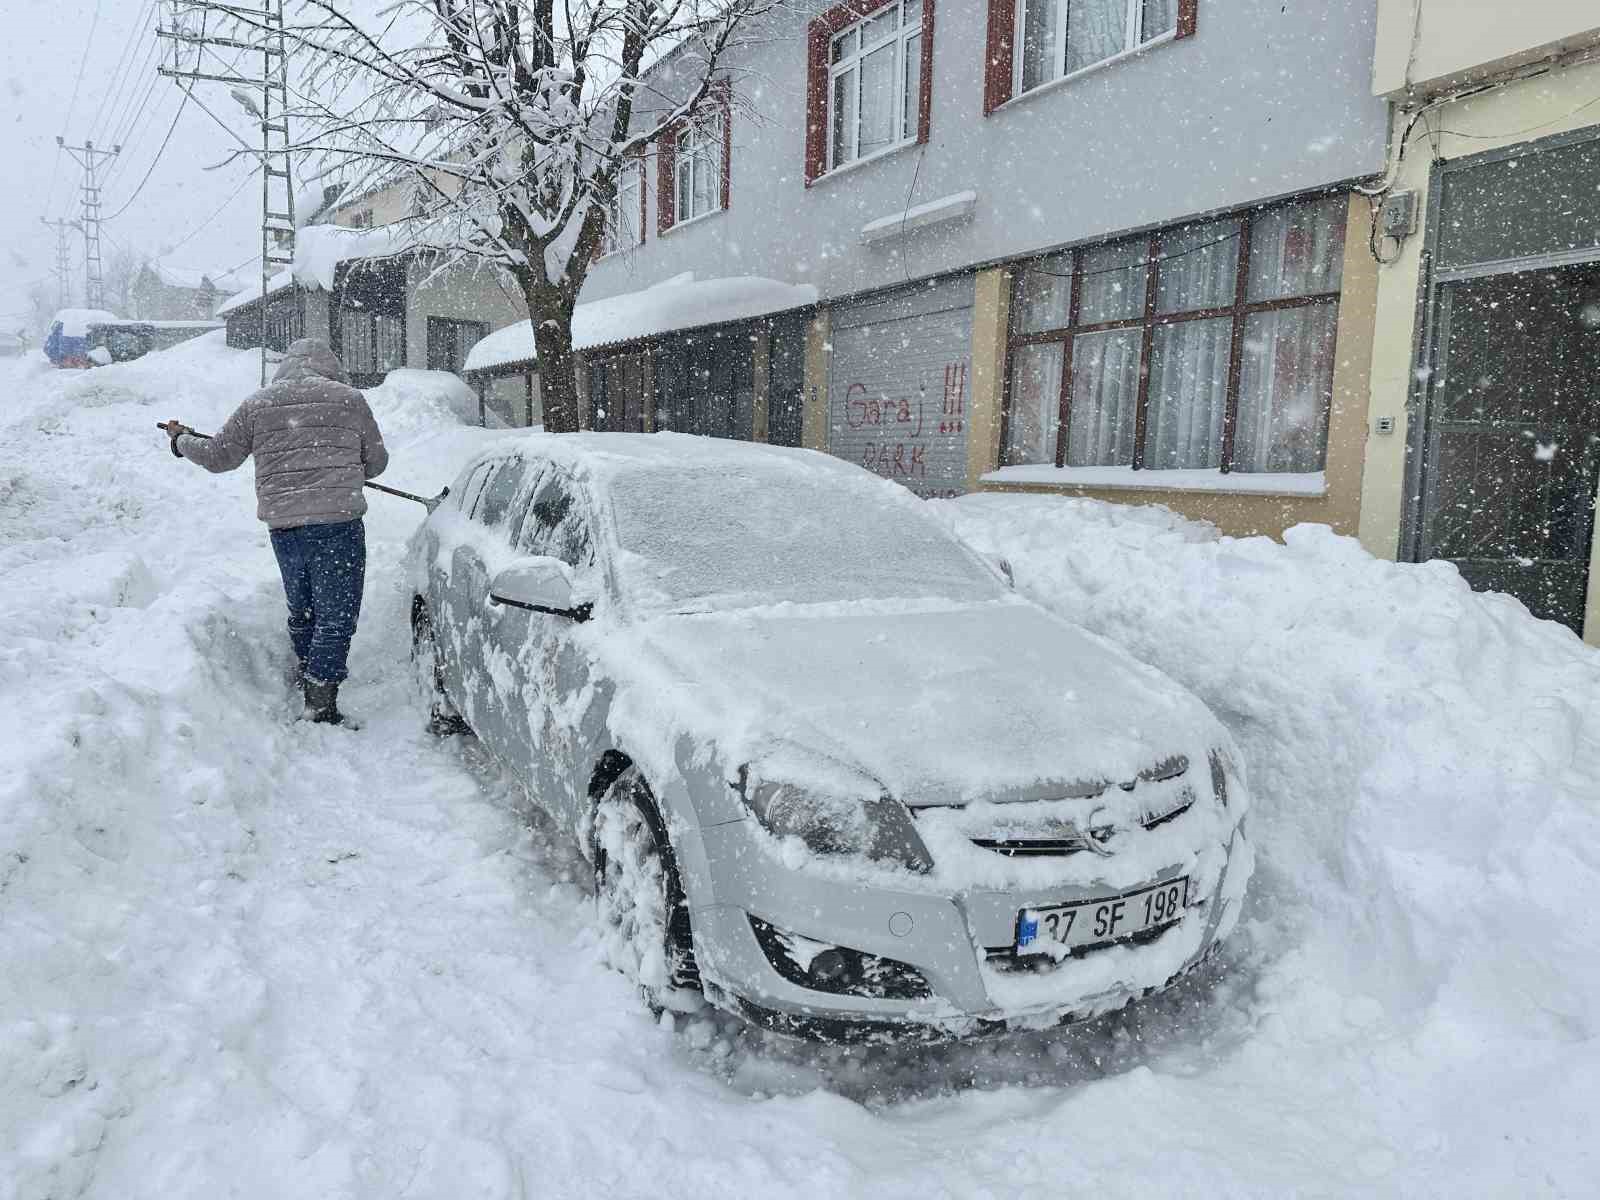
265, 20
63, 260
87, 157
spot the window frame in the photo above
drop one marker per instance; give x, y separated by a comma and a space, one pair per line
1150, 319
611, 240
820, 36
700, 140
1003, 46
855, 61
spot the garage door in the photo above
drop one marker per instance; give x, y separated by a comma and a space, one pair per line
897, 385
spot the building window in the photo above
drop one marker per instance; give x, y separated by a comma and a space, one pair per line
362, 219
1034, 42
874, 82
697, 167
869, 81
1207, 346
1062, 37
625, 213
449, 340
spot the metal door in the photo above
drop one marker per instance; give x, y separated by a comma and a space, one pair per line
1513, 440
897, 385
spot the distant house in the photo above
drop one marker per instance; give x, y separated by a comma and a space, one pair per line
164, 293
380, 300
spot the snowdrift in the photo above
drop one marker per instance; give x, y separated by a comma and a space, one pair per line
237, 959
1425, 762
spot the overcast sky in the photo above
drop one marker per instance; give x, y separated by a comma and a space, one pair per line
184, 214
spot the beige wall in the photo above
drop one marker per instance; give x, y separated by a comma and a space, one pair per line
1552, 103
1241, 514
814, 432
466, 291
391, 203
1428, 46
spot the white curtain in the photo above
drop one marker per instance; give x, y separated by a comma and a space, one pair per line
1297, 250
1188, 394
1113, 282
1199, 267
1096, 29
1044, 296
1160, 16
1285, 385
1105, 398
1035, 404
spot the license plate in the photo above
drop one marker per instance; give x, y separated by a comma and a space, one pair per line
1098, 922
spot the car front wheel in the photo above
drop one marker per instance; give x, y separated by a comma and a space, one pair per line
443, 719
639, 898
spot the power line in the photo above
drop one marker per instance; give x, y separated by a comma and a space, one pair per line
120, 73
220, 209
133, 125
165, 142
83, 62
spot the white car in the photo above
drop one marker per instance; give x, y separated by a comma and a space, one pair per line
832, 771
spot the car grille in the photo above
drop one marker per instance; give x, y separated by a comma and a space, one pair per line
1031, 832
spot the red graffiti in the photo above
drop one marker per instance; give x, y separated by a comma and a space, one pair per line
863, 410
953, 409
896, 460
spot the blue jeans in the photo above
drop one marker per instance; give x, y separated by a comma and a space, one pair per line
323, 568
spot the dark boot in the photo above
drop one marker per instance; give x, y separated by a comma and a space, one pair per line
322, 703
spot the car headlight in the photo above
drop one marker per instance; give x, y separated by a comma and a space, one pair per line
878, 828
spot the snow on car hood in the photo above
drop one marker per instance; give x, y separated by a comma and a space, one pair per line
938, 704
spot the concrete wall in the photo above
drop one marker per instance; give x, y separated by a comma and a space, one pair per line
1267, 99
1425, 46
1549, 104
465, 291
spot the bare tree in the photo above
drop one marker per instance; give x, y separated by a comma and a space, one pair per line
121, 269
41, 307
513, 119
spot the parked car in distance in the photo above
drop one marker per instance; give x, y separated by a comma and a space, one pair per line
81, 338
832, 772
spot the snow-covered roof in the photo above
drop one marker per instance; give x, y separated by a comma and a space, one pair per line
318, 251
193, 280
281, 282
75, 322
682, 302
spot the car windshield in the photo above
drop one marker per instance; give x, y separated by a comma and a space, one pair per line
701, 539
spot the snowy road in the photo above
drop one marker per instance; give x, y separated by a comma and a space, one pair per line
244, 957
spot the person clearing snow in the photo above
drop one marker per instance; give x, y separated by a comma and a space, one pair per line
315, 443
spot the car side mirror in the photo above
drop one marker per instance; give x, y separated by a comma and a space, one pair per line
1004, 566
542, 585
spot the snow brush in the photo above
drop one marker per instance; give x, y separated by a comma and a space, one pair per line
428, 502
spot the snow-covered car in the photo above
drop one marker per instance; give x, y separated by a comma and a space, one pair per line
831, 770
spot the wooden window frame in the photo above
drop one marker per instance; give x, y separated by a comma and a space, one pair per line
610, 240
1149, 321
719, 102
1002, 66
819, 40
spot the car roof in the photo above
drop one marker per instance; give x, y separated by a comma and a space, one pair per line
601, 458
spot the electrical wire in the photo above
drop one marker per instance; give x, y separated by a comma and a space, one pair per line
111, 98
220, 209
134, 104
73, 104
165, 142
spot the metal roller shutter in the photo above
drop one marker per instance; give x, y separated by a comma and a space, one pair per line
897, 385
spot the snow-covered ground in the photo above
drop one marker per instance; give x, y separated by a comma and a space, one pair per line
244, 957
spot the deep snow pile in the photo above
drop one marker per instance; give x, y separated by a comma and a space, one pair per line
242, 957
1425, 762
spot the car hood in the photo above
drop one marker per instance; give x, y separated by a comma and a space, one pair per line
946, 705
